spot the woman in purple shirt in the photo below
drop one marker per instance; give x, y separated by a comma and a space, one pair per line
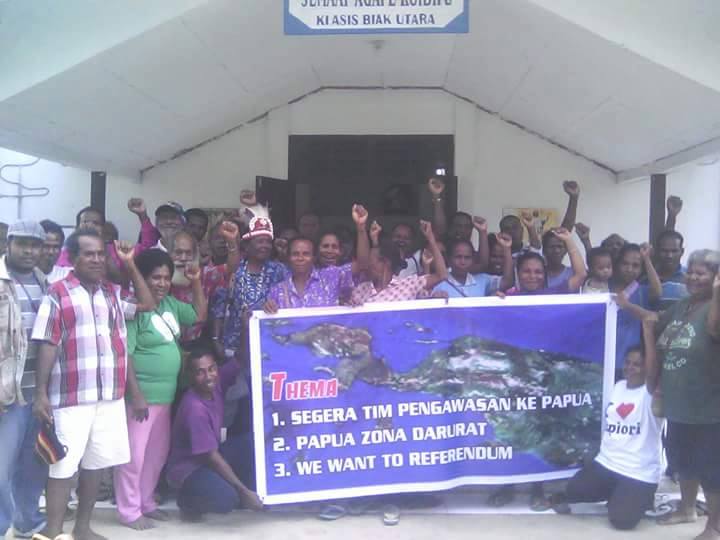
309, 286
210, 477
532, 277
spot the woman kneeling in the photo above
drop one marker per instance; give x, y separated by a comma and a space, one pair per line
626, 471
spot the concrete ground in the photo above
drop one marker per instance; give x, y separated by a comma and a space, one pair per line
457, 514
295, 526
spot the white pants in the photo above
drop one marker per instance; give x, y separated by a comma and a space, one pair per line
95, 435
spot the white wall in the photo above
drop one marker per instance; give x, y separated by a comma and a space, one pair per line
699, 188
498, 165
69, 191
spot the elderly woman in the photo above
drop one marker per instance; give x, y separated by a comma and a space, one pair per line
688, 346
153, 368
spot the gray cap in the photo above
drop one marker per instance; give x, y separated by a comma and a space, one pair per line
26, 229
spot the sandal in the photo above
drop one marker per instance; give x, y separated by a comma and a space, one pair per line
38, 536
391, 515
332, 512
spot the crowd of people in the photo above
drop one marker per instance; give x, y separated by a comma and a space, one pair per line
128, 355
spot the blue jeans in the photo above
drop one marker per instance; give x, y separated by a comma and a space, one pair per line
23, 474
205, 491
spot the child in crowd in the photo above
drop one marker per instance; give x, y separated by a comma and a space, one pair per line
600, 264
632, 261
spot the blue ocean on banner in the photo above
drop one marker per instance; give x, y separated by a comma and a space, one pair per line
402, 341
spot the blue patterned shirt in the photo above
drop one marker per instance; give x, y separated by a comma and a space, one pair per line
247, 292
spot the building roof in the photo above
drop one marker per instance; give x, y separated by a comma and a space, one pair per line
123, 86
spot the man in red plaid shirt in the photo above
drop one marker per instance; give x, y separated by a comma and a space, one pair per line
82, 369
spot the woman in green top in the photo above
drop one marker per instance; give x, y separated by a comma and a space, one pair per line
688, 345
153, 366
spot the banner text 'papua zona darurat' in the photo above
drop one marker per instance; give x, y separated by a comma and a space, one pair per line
428, 395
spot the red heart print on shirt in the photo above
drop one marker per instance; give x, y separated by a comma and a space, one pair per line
624, 409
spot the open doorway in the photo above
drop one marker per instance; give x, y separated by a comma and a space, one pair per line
386, 173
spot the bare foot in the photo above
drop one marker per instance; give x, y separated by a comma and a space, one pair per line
140, 524
250, 500
158, 515
709, 533
87, 534
678, 516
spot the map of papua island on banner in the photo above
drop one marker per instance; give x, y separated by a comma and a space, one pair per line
428, 395
375, 16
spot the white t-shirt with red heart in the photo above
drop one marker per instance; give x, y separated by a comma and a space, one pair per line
631, 435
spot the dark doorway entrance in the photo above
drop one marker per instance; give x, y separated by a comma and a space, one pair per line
386, 173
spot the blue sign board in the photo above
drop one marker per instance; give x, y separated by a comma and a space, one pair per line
312, 17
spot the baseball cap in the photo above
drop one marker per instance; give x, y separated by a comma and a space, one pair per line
26, 229
171, 206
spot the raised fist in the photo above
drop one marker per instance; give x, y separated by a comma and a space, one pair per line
646, 250
125, 251
505, 240
562, 233
137, 206
248, 198
436, 186
572, 188
229, 231
359, 214
193, 272
674, 205
426, 229
480, 223
583, 231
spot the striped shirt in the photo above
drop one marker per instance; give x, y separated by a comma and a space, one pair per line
88, 328
30, 292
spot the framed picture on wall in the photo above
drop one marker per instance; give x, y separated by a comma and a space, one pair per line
544, 219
